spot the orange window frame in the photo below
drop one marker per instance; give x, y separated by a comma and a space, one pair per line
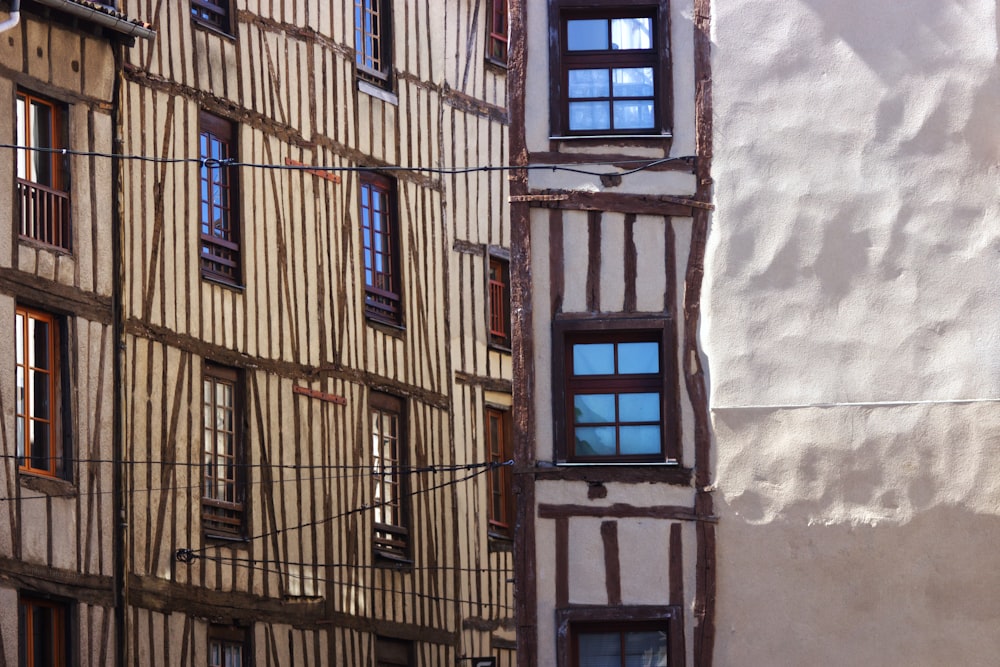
24, 138
30, 608
28, 377
500, 506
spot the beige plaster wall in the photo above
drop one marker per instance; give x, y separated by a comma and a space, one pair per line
850, 326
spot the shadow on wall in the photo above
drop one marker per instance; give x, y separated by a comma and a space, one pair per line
922, 39
916, 594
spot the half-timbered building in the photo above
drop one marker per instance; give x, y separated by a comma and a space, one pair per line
317, 385
58, 299
610, 202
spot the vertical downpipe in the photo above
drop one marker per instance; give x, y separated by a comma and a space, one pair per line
117, 294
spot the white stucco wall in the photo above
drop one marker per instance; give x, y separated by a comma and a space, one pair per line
850, 327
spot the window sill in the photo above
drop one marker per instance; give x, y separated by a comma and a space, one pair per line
500, 347
390, 561
209, 278
208, 27
42, 245
499, 543
496, 66
388, 328
372, 90
604, 138
665, 473
221, 539
50, 486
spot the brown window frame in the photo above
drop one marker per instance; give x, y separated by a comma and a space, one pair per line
28, 608
390, 518
227, 636
499, 300
43, 196
223, 517
562, 60
58, 387
373, 48
569, 331
380, 246
500, 504
219, 247
213, 14
574, 621
497, 25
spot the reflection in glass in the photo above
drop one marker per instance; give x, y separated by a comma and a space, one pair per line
595, 441
594, 408
639, 407
589, 83
587, 35
632, 33
594, 359
634, 358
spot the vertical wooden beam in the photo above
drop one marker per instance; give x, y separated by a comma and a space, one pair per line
612, 563
704, 638
562, 562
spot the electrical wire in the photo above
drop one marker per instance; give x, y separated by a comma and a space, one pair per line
187, 555
214, 163
249, 564
357, 472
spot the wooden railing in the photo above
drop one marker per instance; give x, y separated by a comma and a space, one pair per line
45, 214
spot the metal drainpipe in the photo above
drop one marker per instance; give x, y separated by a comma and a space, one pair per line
15, 16
117, 294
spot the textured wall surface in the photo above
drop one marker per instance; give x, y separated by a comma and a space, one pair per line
851, 332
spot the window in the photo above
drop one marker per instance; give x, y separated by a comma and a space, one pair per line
42, 175
388, 487
501, 508
499, 302
496, 37
372, 40
222, 502
220, 238
620, 636
612, 69
607, 646
380, 243
43, 632
212, 13
619, 387
227, 647
39, 380
393, 652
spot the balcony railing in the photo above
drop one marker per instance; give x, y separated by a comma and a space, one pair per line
44, 214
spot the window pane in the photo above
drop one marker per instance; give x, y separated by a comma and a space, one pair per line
595, 441
41, 131
38, 343
40, 445
589, 116
646, 649
600, 650
587, 35
594, 408
22, 138
43, 634
594, 359
39, 394
631, 82
632, 33
634, 115
589, 83
638, 358
639, 407
640, 440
